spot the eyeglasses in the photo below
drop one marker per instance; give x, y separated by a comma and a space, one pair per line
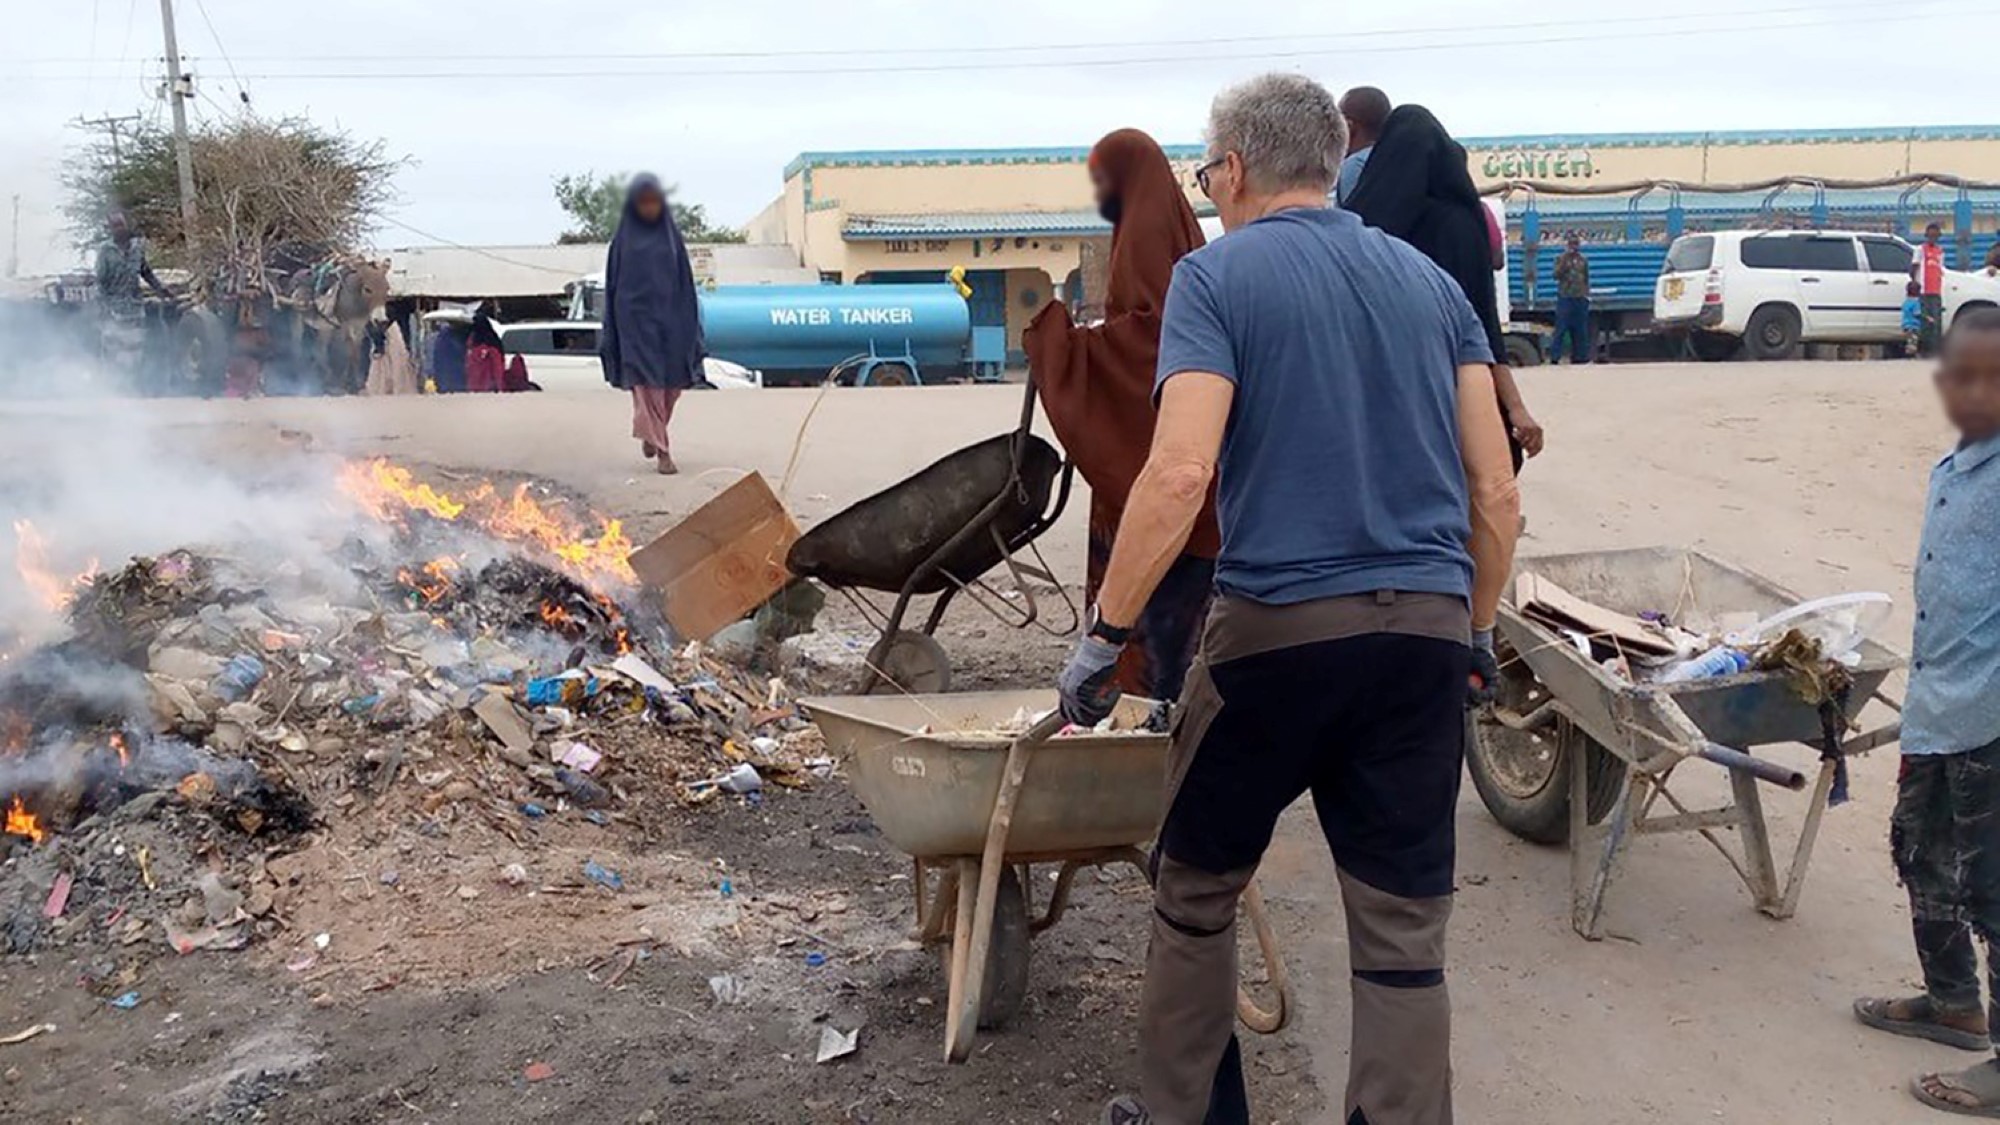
1201, 173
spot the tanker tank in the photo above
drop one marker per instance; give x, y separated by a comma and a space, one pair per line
882, 335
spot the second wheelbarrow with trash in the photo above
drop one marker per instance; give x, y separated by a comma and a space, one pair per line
1576, 750
982, 787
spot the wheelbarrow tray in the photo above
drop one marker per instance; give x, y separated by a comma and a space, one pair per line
880, 542
1748, 709
931, 790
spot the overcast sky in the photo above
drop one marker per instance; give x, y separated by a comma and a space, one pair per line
472, 93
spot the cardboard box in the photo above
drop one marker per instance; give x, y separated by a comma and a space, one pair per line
721, 562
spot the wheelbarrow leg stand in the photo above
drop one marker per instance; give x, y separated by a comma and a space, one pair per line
1760, 872
1795, 880
1596, 853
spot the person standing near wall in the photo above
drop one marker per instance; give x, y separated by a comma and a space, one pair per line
651, 342
1097, 385
1927, 269
1572, 303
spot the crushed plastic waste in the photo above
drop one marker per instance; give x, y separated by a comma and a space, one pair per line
603, 876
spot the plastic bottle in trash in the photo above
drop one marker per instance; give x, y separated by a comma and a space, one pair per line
582, 790
238, 678
1718, 661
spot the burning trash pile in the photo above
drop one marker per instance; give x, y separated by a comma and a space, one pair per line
450, 662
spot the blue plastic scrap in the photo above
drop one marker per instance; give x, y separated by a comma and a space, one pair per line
125, 1002
815, 959
560, 690
238, 677
602, 876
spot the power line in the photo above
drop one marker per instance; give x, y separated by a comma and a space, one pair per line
1042, 64
484, 253
202, 7
1710, 31
125, 44
90, 83
1679, 18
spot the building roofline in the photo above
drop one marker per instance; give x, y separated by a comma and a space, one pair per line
1073, 154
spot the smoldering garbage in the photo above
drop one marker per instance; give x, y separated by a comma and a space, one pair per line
207, 716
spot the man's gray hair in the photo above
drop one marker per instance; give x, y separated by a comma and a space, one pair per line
1286, 127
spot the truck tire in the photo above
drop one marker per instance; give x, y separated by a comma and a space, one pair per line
890, 375
1523, 778
1969, 306
1773, 333
1522, 352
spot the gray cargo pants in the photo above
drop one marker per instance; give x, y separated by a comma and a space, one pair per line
1359, 701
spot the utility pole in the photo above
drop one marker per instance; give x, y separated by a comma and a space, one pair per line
114, 126
180, 87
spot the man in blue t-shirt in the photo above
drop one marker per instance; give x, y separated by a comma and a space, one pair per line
1334, 385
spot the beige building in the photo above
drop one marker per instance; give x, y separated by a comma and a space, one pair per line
1022, 223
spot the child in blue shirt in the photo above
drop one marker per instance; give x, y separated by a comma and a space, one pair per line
1945, 832
1913, 318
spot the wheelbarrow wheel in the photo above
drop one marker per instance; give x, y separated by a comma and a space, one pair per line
1006, 983
1523, 776
909, 663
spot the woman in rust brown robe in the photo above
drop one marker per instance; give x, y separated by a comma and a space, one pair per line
1096, 383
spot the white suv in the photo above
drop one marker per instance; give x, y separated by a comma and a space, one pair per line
1771, 291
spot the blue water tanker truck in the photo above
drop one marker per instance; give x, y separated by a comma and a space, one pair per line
858, 335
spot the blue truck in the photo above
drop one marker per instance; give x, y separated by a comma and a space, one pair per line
1626, 237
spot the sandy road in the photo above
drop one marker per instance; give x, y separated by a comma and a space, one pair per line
1703, 1010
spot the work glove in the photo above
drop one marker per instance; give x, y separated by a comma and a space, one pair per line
1483, 683
1088, 693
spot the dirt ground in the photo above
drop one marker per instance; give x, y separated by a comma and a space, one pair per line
1699, 1009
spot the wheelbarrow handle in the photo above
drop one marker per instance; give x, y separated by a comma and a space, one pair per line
1043, 729
962, 1021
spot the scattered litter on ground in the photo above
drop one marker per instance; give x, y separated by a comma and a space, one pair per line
603, 876
836, 1044
26, 1033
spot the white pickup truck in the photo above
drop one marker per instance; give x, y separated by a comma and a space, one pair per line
1768, 292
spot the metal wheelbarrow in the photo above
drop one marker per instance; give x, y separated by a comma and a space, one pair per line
977, 808
937, 533
1572, 753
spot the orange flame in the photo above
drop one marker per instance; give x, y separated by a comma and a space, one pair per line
433, 582
124, 755
21, 822
31, 559
389, 492
555, 616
